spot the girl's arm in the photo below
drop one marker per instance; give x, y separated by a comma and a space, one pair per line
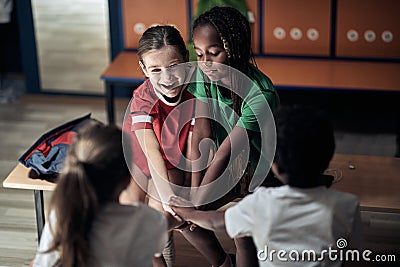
232, 145
158, 171
44, 257
213, 220
199, 157
230, 148
188, 173
201, 131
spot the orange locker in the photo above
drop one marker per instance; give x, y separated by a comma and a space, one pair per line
194, 5
294, 27
368, 28
138, 15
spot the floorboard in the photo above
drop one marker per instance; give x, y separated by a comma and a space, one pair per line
22, 122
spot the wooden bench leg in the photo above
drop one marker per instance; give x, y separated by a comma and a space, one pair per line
39, 208
110, 102
397, 155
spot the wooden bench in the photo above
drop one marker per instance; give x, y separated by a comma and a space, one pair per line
305, 73
373, 179
124, 70
286, 73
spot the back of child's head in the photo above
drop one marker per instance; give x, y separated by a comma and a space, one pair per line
234, 31
95, 171
159, 36
97, 156
305, 144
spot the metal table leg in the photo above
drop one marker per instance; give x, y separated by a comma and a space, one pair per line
39, 207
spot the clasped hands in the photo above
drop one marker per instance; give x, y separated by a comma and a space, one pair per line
180, 209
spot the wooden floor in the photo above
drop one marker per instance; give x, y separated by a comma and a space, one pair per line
72, 53
21, 123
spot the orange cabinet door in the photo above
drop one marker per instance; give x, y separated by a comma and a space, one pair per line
138, 15
293, 27
368, 28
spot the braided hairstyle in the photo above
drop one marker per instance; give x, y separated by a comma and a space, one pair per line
234, 31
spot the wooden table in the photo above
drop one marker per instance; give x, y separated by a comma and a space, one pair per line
375, 180
18, 178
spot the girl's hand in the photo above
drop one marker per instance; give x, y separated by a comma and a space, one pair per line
168, 209
182, 207
174, 222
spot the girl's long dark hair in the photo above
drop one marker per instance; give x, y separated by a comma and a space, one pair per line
234, 31
94, 170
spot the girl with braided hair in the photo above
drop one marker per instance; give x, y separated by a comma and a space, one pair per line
222, 42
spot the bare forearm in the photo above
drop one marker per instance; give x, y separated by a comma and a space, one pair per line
230, 148
158, 171
212, 220
159, 174
196, 179
192, 165
216, 168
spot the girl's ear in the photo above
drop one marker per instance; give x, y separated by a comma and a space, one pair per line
275, 169
143, 68
278, 173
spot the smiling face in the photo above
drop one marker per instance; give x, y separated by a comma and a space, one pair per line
209, 50
162, 67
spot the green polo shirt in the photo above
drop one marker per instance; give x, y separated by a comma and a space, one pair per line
259, 99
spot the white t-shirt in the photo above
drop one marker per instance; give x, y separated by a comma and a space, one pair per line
121, 236
296, 220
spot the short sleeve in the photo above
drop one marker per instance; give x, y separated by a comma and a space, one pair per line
261, 100
43, 258
140, 114
239, 219
254, 108
256, 105
266, 86
141, 122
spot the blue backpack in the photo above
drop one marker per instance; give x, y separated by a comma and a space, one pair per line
46, 156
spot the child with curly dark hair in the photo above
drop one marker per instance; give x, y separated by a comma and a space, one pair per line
302, 215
